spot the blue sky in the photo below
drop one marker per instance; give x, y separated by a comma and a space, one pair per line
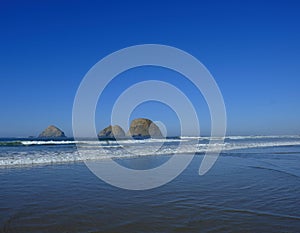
252, 48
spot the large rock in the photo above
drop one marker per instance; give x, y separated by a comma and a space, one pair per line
52, 132
112, 132
144, 128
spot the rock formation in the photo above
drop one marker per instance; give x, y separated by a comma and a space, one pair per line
52, 132
112, 132
144, 128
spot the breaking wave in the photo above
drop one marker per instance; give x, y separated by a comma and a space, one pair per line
22, 153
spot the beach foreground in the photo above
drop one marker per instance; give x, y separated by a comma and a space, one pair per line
247, 190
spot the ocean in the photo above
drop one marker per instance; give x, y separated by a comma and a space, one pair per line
254, 186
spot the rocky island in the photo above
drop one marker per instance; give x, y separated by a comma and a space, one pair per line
144, 128
140, 128
112, 132
52, 132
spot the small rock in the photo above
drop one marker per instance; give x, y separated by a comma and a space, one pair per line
112, 132
144, 128
52, 132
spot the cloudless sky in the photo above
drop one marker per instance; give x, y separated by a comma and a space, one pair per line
252, 48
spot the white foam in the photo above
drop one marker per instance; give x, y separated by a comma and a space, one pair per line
29, 143
190, 137
94, 150
235, 146
264, 137
233, 137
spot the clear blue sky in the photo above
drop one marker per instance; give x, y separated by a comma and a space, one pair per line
252, 48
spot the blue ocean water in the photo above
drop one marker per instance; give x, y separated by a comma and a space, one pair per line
253, 187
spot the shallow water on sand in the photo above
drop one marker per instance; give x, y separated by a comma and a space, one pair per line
247, 190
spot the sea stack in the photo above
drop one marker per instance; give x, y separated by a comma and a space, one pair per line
112, 132
52, 132
144, 128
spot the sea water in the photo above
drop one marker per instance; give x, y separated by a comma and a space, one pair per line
254, 186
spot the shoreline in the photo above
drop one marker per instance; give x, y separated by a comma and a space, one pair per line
236, 194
